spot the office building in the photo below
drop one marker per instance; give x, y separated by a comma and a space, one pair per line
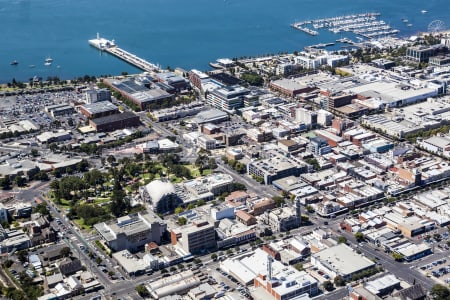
227, 98
341, 260
98, 109
114, 122
132, 232
97, 95
195, 237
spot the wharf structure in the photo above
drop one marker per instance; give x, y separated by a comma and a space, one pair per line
110, 46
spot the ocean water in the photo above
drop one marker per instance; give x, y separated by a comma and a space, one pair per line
176, 33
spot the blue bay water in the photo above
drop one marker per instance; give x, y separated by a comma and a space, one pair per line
176, 33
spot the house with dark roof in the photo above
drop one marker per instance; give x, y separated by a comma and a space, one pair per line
415, 292
69, 267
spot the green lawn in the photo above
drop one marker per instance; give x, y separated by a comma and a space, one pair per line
207, 172
194, 171
80, 223
175, 179
99, 200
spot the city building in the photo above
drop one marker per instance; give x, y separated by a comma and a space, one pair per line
51, 137
116, 121
227, 98
198, 78
231, 233
132, 232
98, 109
289, 87
97, 95
276, 166
341, 260
421, 53
179, 83
177, 284
307, 117
319, 146
195, 237
209, 116
139, 94
3, 214
161, 196
283, 218
206, 143
271, 279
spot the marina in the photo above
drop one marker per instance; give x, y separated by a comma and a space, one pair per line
110, 47
364, 25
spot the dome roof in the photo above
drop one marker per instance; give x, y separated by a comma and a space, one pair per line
157, 189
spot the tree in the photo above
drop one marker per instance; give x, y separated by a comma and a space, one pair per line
327, 285
212, 163
342, 240
22, 256
397, 256
182, 220
440, 292
309, 209
214, 256
42, 209
142, 291
34, 152
111, 159
298, 266
65, 252
179, 210
253, 79
20, 181
119, 202
279, 201
339, 281
359, 236
5, 183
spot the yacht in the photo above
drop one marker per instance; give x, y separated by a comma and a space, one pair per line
48, 61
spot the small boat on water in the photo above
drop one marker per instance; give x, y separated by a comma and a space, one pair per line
405, 20
48, 61
409, 25
14, 63
423, 11
31, 66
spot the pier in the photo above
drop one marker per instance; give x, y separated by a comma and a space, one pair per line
109, 46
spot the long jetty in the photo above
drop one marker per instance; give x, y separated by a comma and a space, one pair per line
133, 59
109, 46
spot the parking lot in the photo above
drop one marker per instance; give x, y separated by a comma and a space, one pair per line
438, 269
228, 283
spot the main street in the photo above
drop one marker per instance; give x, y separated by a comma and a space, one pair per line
404, 271
76, 239
252, 185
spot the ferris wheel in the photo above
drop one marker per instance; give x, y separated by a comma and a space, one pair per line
436, 26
